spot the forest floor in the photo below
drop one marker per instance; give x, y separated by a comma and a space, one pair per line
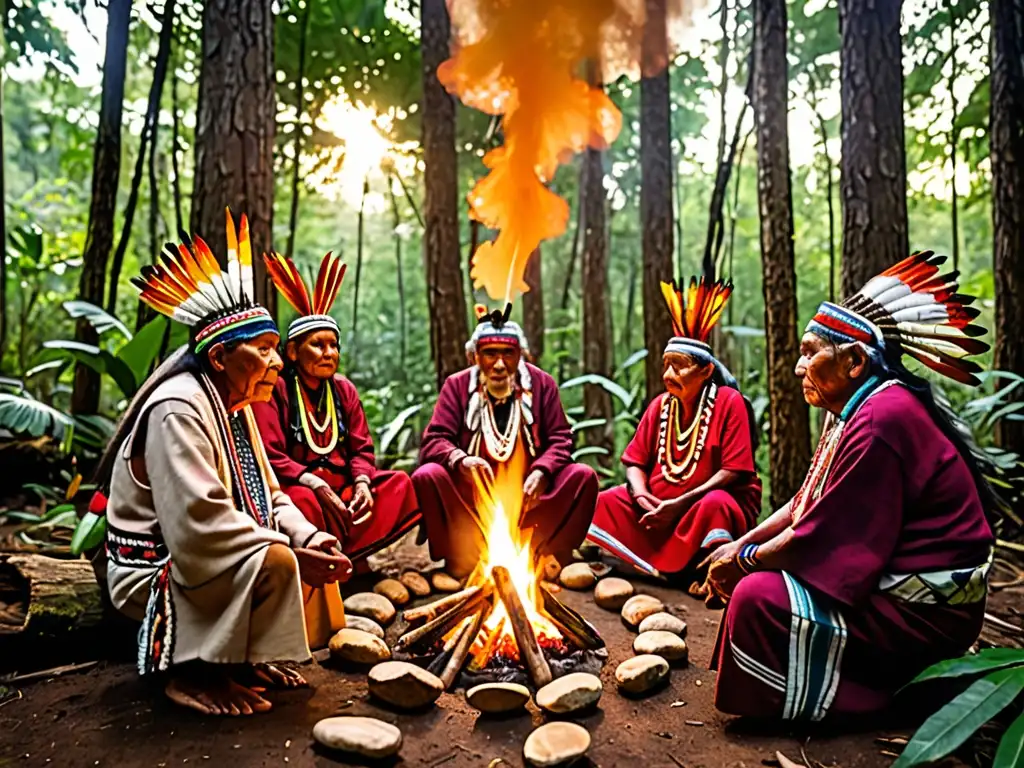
106, 716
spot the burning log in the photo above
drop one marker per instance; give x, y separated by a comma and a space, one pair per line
480, 659
432, 610
462, 646
570, 623
434, 630
526, 639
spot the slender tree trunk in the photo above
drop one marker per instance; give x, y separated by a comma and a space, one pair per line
1006, 140
954, 134
597, 403
85, 397
790, 430
474, 243
873, 183
402, 323
574, 252
235, 130
360, 231
446, 298
147, 139
828, 167
655, 192
3, 221
300, 107
179, 219
533, 305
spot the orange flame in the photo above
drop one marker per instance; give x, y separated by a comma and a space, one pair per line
525, 60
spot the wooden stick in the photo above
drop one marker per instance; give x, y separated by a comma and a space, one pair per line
432, 610
442, 625
569, 623
529, 649
1004, 625
461, 651
480, 659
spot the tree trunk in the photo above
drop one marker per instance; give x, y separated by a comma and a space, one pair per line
235, 130
1006, 139
44, 595
3, 225
300, 107
402, 322
179, 219
85, 398
873, 184
655, 194
597, 402
790, 430
446, 298
360, 233
533, 306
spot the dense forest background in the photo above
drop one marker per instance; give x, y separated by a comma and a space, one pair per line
328, 102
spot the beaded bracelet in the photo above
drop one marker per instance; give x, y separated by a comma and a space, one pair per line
747, 560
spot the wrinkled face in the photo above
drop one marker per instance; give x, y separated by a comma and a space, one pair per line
829, 373
498, 364
685, 376
316, 354
248, 371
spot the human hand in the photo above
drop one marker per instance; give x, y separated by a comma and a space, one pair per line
318, 568
333, 506
323, 542
361, 507
661, 517
474, 464
534, 487
727, 551
646, 500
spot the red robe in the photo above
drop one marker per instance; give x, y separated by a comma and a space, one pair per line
719, 516
559, 520
394, 509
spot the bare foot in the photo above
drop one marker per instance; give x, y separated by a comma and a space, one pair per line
278, 676
210, 691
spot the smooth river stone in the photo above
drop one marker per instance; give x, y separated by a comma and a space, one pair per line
415, 583
639, 607
372, 606
442, 582
664, 644
664, 622
393, 590
571, 693
364, 736
641, 673
498, 697
358, 647
364, 624
612, 593
556, 743
577, 576
404, 685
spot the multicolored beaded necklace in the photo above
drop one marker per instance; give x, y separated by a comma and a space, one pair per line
500, 445
307, 419
679, 449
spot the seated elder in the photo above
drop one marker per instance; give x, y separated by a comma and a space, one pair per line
489, 418
878, 566
202, 545
316, 433
691, 484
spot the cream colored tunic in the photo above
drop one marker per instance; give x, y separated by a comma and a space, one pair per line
184, 498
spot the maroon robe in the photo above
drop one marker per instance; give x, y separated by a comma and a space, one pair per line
394, 504
559, 520
719, 516
889, 576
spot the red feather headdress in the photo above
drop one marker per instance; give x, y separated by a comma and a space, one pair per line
313, 313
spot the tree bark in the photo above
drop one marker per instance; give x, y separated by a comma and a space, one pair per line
790, 430
1006, 140
179, 219
655, 194
446, 298
533, 305
3, 224
235, 130
873, 183
44, 595
85, 398
402, 322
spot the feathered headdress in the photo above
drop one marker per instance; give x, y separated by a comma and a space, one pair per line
494, 327
188, 285
694, 315
910, 309
313, 314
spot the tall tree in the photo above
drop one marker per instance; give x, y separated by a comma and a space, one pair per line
655, 190
3, 219
1006, 140
533, 305
99, 238
446, 298
790, 426
873, 167
235, 130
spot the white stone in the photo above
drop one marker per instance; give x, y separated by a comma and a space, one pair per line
364, 624
498, 697
641, 673
570, 693
577, 576
639, 607
442, 582
404, 685
365, 736
358, 647
372, 606
664, 644
394, 590
612, 593
664, 622
556, 743
415, 583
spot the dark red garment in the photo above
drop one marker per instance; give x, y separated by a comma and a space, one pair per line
559, 520
394, 511
721, 515
898, 501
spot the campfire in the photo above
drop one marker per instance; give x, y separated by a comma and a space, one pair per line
506, 625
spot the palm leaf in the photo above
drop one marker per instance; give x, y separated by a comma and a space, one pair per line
607, 384
987, 660
25, 416
1011, 747
101, 320
394, 427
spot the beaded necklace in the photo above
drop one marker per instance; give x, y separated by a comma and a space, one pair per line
307, 419
500, 445
679, 450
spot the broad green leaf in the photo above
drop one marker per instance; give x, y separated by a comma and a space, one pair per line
603, 382
66, 519
98, 318
394, 427
987, 660
42, 367
140, 353
952, 725
58, 510
97, 359
25, 416
89, 533
579, 426
26, 517
1011, 747
590, 450
632, 360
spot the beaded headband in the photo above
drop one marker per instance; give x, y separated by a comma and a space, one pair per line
495, 328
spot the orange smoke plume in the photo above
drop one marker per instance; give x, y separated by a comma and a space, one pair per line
526, 60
